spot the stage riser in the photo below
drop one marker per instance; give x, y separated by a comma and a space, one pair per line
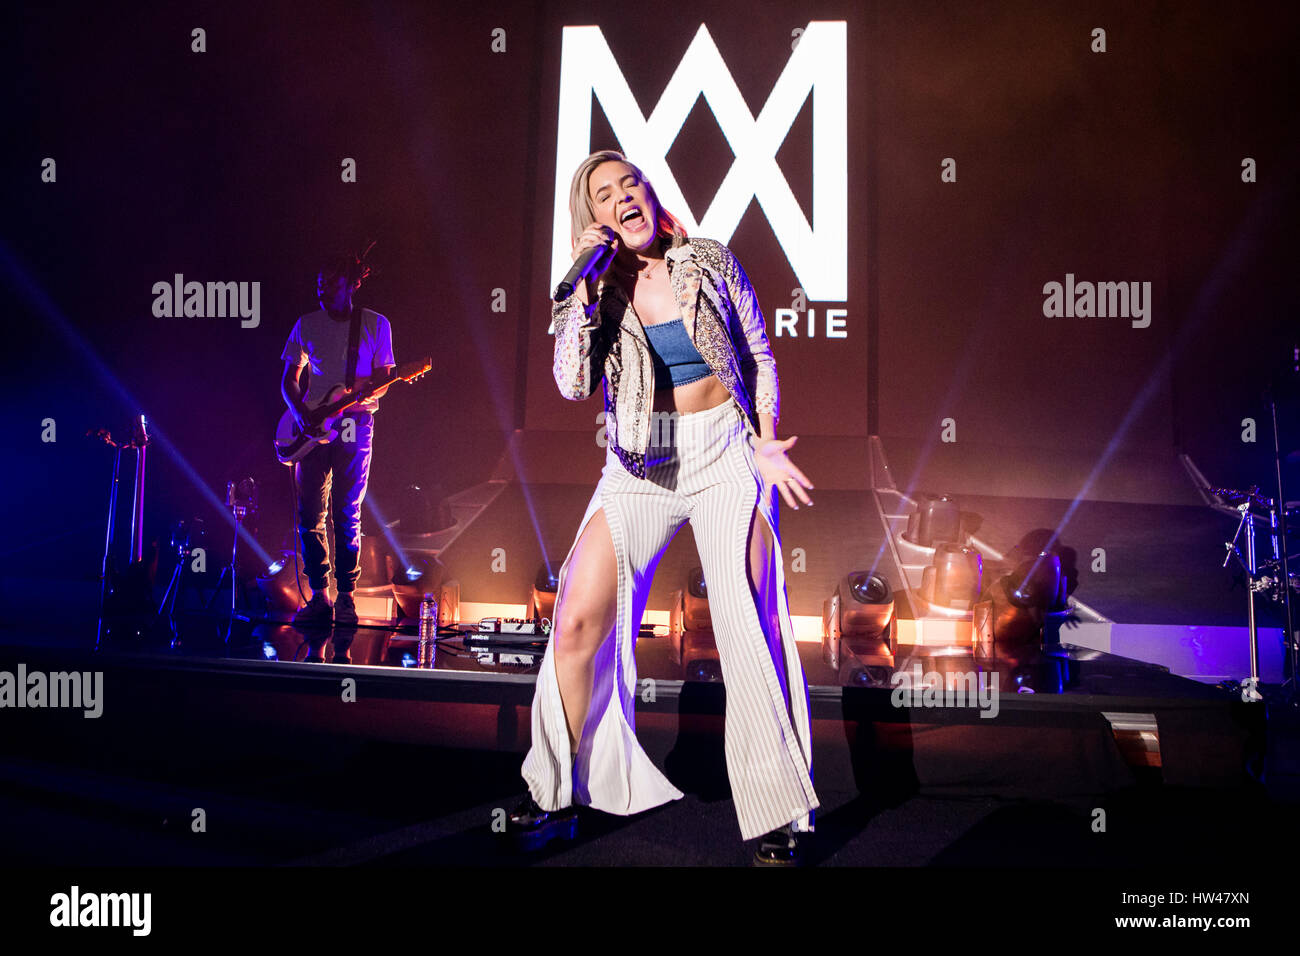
1033, 749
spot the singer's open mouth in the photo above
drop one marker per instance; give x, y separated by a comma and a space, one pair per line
632, 217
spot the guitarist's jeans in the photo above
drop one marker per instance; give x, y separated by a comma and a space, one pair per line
334, 474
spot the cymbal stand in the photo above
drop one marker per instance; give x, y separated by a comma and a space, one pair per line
1290, 644
1250, 686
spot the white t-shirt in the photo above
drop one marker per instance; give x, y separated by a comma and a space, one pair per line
324, 341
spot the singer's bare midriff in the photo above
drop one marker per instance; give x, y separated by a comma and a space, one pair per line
653, 302
697, 396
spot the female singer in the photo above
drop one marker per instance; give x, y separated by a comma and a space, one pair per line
674, 329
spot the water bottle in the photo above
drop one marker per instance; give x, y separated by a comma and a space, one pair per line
428, 630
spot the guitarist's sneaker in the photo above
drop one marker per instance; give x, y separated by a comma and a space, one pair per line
345, 609
318, 612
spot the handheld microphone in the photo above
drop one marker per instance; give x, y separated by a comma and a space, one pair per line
588, 265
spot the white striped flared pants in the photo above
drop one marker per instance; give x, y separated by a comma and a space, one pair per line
705, 476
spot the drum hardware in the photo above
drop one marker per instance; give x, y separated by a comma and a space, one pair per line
1263, 577
1280, 512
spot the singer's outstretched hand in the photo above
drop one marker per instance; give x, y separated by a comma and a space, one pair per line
779, 471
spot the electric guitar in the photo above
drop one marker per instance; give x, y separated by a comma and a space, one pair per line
292, 442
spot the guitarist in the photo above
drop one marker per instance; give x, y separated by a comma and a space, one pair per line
340, 343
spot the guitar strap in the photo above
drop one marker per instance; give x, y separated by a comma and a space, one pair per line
354, 348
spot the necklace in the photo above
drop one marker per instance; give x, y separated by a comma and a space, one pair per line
643, 273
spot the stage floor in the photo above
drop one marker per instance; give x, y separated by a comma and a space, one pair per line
408, 766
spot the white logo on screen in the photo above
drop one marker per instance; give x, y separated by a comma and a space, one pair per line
817, 67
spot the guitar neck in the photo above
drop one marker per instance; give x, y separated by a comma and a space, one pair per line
347, 401
403, 373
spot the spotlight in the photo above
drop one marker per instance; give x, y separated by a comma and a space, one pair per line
954, 580
695, 583
546, 580
414, 511
704, 670
283, 589
858, 619
423, 510
868, 588
695, 603
690, 625
421, 574
936, 520
1022, 602
871, 611
869, 677
1041, 584
544, 587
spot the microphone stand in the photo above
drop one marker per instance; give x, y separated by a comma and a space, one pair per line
1291, 645
138, 442
108, 538
241, 500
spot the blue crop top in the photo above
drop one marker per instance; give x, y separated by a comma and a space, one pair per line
674, 354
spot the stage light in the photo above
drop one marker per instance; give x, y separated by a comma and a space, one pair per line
545, 585
874, 676
695, 584
546, 579
868, 588
871, 611
422, 510
706, 670
284, 590
419, 569
695, 603
1020, 604
412, 579
954, 580
858, 619
690, 628
1041, 584
936, 520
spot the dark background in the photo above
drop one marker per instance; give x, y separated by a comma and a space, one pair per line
224, 166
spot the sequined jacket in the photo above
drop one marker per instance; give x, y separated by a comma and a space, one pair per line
721, 314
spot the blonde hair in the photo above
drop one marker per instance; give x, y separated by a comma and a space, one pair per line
581, 215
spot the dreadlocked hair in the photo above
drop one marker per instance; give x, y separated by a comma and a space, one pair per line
351, 266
